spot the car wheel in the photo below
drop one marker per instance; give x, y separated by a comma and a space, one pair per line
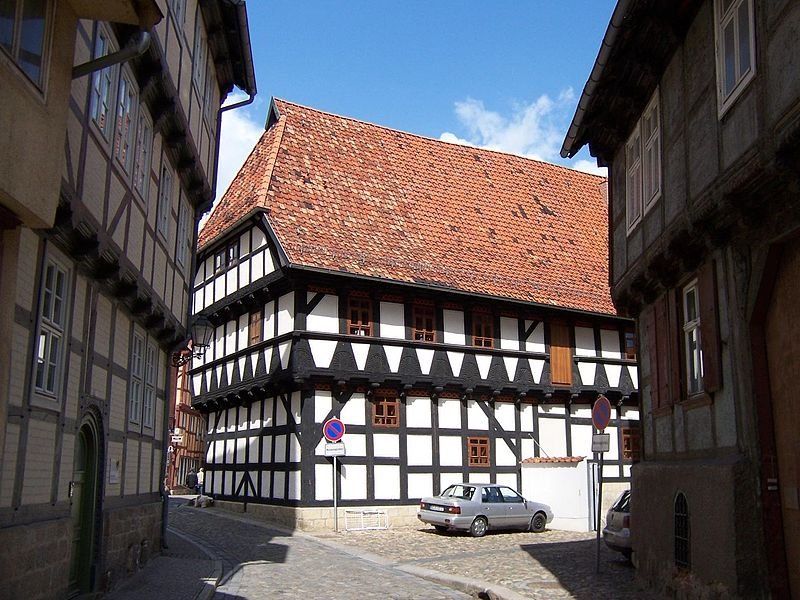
479, 527
538, 522
440, 528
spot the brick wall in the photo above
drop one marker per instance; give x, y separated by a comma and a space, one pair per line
34, 560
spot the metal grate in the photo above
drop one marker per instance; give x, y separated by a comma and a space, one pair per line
361, 520
681, 531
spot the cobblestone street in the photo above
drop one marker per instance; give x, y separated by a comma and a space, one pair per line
259, 560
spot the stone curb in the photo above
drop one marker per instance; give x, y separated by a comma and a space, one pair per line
475, 588
210, 584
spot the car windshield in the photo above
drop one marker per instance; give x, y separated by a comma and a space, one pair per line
623, 502
459, 491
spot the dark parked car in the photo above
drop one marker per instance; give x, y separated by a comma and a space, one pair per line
617, 532
478, 507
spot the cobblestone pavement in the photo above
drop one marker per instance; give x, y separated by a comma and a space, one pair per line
553, 564
260, 561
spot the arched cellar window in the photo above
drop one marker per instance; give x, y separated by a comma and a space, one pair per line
681, 531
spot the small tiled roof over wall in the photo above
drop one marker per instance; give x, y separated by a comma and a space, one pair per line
348, 196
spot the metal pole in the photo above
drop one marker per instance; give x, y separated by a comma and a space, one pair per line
599, 506
335, 507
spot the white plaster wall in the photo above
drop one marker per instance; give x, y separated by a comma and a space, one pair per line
509, 333
269, 404
504, 413
453, 327
280, 448
565, 488
582, 440
418, 412
552, 409
280, 412
420, 450
449, 413
269, 320
613, 448
323, 482
355, 444
252, 448
325, 316
264, 486
323, 402
392, 321
508, 479
354, 482
609, 343
581, 411
255, 415
259, 239
504, 457
266, 449
386, 445
322, 352
527, 448
420, 485
476, 418
294, 448
450, 450
446, 479
584, 341
286, 313
242, 421
477, 477
231, 419
630, 413
387, 482
278, 484
535, 343
295, 405
353, 411
243, 339
230, 446
553, 437
526, 417
294, 485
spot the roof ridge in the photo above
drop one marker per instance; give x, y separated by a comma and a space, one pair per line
431, 139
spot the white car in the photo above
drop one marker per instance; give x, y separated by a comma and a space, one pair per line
478, 507
617, 532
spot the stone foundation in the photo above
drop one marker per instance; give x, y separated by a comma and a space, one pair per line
34, 560
131, 536
317, 518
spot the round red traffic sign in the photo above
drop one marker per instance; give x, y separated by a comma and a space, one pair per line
601, 412
333, 430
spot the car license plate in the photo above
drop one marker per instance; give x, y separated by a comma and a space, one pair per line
437, 508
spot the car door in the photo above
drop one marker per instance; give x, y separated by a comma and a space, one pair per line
493, 507
516, 513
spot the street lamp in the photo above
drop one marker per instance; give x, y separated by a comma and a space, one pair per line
202, 330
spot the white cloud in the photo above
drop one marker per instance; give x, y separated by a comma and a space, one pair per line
589, 166
534, 129
239, 133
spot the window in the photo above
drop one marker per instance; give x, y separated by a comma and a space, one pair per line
735, 33
482, 330
141, 164
199, 56
478, 451
255, 329
150, 370
630, 345
164, 200
208, 96
424, 320
101, 84
643, 165
52, 324
226, 258
560, 354
184, 241
123, 136
681, 532
692, 347
359, 320
510, 495
385, 411
631, 443
136, 369
24, 26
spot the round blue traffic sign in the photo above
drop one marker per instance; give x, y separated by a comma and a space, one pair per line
601, 412
333, 430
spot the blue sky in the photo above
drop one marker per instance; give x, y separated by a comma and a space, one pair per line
502, 74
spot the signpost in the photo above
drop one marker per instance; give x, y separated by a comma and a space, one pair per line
601, 415
333, 430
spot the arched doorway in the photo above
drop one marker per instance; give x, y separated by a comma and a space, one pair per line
83, 492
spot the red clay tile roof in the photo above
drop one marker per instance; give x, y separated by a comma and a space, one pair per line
551, 459
348, 196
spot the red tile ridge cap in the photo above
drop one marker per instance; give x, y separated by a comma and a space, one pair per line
552, 459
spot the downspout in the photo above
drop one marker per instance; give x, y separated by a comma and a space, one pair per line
136, 46
249, 100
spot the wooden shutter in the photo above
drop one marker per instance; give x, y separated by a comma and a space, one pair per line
675, 345
560, 354
649, 330
709, 327
255, 327
663, 350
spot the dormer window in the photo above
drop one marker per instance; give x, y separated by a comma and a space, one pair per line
424, 320
226, 258
359, 315
482, 330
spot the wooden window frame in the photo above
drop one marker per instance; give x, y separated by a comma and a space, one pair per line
421, 314
692, 338
255, 327
482, 329
227, 257
101, 103
631, 443
362, 325
53, 316
631, 344
16, 48
127, 105
742, 75
643, 165
478, 451
385, 411
164, 200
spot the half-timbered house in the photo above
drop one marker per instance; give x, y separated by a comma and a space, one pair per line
449, 304
695, 108
109, 121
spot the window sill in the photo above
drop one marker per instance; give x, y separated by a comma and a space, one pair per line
696, 400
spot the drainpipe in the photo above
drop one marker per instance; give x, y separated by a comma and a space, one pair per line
136, 46
249, 100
